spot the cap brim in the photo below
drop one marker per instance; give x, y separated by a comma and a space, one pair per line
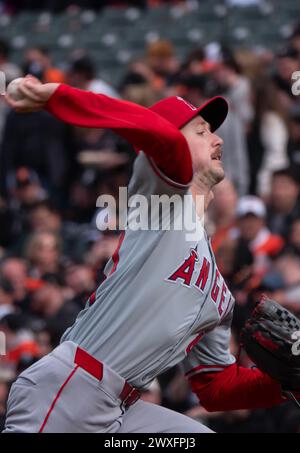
214, 112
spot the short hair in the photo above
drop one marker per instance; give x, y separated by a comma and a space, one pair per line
42, 49
231, 63
288, 172
84, 66
47, 204
196, 54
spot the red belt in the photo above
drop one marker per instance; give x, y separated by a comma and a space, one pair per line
129, 395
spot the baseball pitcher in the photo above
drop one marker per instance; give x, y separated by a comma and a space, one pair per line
163, 301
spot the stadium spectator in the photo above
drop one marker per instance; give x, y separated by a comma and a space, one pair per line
6, 298
10, 70
39, 142
195, 63
228, 74
43, 252
191, 87
21, 347
223, 212
224, 226
273, 136
286, 63
287, 270
293, 147
51, 305
81, 280
99, 253
15, 270
236, 89
161, 59
5, 377
37, 62
43, 217
135, 87
284, 205
24, 189
264, 245
82, 74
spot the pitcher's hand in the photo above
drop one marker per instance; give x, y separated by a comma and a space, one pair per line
35, 95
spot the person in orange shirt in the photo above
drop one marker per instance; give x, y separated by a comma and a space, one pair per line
223, 213
38, 62
251, 214
21, 348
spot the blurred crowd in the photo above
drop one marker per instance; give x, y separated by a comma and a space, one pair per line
14, 6
57, 6
52, 254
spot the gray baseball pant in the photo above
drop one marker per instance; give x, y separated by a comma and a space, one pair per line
69, 391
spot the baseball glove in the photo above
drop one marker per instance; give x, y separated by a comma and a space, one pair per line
271, 338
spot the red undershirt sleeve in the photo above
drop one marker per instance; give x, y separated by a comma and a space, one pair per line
236, 388
144, 129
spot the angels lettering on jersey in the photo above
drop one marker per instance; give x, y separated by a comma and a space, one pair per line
191, 275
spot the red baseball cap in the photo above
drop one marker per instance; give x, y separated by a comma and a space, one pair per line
178, 111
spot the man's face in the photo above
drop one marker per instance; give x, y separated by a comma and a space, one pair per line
249, 226
43, 219
205, 147
284, 192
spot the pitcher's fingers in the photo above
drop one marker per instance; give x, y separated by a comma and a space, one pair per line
11, 102
22, 103
28, 90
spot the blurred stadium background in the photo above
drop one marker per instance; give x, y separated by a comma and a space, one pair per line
51, 253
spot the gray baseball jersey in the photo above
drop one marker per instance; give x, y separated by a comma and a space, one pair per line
161, 296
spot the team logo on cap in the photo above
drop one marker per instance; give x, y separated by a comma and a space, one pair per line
187, 103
